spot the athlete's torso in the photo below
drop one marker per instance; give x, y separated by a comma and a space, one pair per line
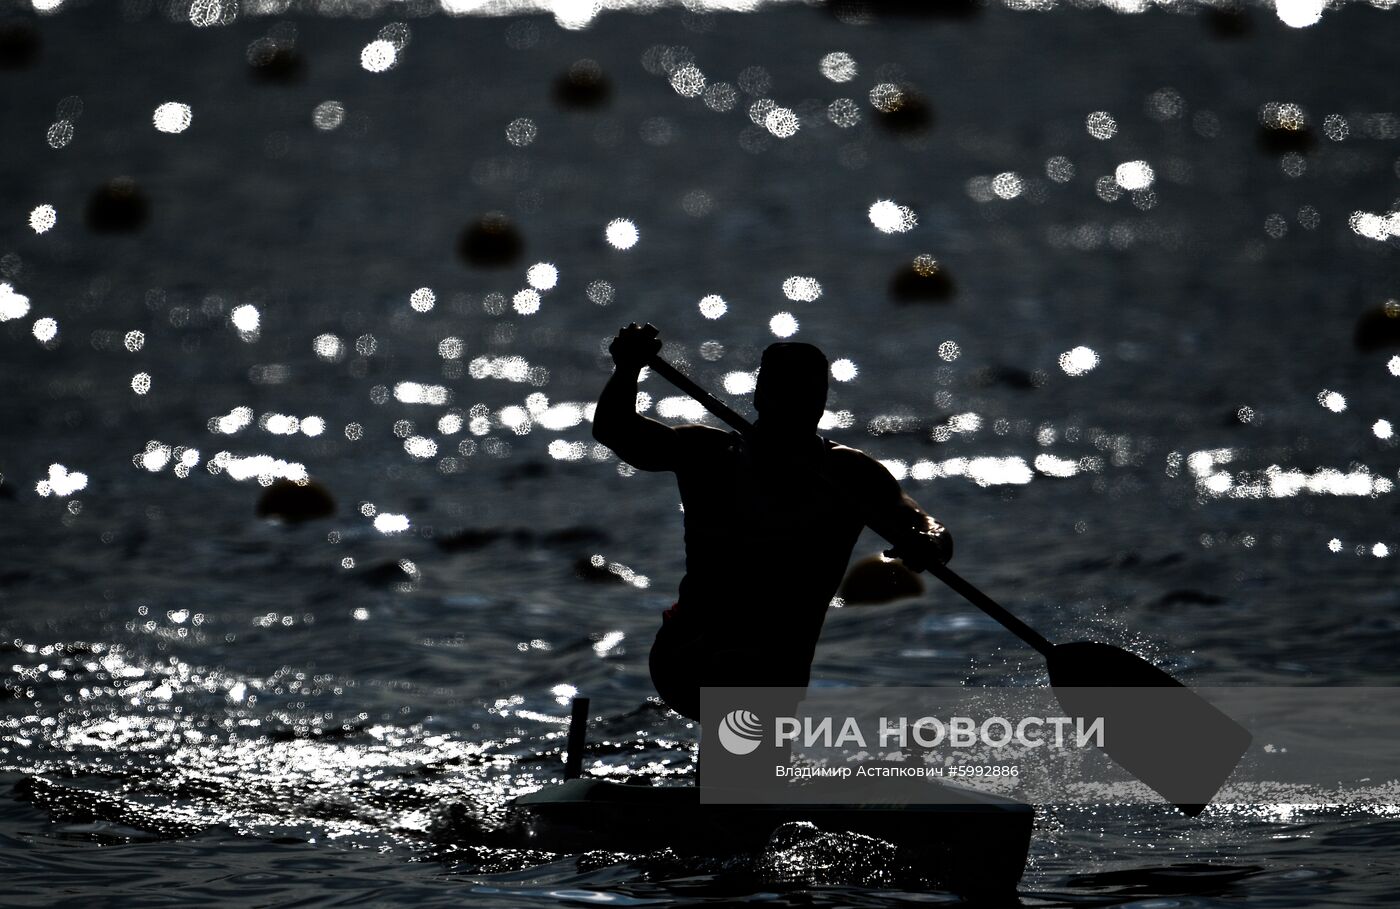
767, 540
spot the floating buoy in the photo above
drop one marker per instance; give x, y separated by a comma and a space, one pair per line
469, 538
19, 44
117, 206
1227, 20
1008, 376
275, 62
492, 242
526, 470
877, 579
293, 503
1281, 141
400, 574
583, 85
1378, 328
924, 280
901, 109
1283, 128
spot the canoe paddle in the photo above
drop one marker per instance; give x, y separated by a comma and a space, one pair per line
1156, 728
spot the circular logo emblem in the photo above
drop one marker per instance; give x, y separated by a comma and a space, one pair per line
740, 732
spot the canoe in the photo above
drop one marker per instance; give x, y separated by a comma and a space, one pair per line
972, 843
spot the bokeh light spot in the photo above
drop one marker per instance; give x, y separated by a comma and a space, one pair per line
843, 113
887, 97
844, 370
755, 80
379, 56
1133, 175
600, 292
1101, 125
43, 218
688, 81
721, 97
1059, 169
172, 117
13, 305
61, 482
697, 203
760, 109
328, 347
1078, 361
713, 306
1165, 104
889, 217
781, 122
542, 276
328, 115
784, 325
387, 523
1332, 400
420, 447
521, 132
739, 383
1299, 13
839, 66
1007, 185
802, 288
245, 318
622, 233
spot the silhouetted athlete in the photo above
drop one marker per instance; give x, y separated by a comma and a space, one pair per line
767, 534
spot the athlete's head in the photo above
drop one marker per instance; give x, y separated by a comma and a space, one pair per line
791, 391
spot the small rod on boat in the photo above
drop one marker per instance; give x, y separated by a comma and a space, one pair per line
578, 735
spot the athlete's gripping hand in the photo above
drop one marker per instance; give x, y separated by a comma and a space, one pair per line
635, 345
932, 547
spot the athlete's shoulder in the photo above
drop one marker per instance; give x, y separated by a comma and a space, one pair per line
855, 464
846, 455
696, 434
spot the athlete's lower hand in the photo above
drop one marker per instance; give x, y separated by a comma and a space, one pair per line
635, 345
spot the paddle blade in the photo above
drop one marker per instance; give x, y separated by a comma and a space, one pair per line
1157, 729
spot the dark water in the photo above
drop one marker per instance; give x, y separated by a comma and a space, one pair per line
201, 706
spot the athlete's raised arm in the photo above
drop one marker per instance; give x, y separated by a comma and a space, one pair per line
641, 442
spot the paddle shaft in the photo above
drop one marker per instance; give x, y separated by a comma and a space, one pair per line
578, 738
945, 574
